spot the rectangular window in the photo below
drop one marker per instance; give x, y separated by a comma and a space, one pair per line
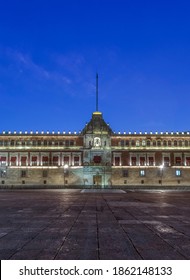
23, 161
150, 161
55, 160
133, 161
76, 160
13, 161
2, 161
122, 143
178, 172
178, 161
97, 159
3, 173
166, 161
45, 160
66, 160
142, 173
117, 161
23, 173
34, 161
125, 173
188, 161
142, 161
44, 173
71, 143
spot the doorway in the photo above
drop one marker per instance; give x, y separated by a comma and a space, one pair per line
97, 180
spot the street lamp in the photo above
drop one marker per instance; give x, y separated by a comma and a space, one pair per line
65, 167
161, 171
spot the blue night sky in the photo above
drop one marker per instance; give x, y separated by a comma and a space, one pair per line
50, 52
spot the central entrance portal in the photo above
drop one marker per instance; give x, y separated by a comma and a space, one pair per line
97, 180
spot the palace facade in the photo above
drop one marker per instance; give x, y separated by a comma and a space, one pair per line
94, 157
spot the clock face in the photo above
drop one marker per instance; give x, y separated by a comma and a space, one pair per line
97, 142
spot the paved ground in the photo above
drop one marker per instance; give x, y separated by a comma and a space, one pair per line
70, 224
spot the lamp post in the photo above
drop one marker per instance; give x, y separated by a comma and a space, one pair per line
65, 169
161, 171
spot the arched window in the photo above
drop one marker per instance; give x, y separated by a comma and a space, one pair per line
158, 143
133, 143
175, 143
143, 143
137, 143
127, 143
148, 143
164, 143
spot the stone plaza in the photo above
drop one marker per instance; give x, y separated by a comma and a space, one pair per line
63, 224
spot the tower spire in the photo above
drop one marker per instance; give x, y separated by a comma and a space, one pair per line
96, 92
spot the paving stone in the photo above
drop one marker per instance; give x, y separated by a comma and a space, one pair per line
68, 224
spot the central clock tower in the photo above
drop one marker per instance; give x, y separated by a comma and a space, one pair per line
97, 151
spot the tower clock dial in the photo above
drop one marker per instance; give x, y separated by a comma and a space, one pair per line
97, 142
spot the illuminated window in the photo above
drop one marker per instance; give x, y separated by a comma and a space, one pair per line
142, 173
178, 172
76, 160
137, 143
3, 161
143, 143
3, 173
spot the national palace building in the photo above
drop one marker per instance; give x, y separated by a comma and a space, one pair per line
94, 157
